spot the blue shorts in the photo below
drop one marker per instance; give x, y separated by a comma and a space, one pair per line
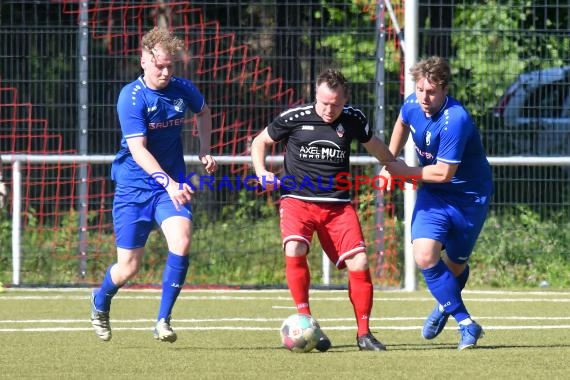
454, 225
133, 220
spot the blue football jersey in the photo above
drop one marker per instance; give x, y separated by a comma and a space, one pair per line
160, 116
450, 136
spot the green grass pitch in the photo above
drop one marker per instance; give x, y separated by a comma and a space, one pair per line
234, 334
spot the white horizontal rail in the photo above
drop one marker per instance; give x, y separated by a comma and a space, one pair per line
224, 160
529, 161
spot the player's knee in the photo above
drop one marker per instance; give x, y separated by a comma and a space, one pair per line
427, 252
126, 271
425, 260
128, 264
180, 245
296, 248
358, 262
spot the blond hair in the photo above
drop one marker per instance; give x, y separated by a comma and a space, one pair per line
171, 44
435, 69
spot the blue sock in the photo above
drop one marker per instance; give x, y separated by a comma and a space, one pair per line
172, 281
108, 290
446, 289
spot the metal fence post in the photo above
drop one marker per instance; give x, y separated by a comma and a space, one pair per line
82, 138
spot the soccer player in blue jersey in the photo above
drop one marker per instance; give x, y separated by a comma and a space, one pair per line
318, 137
453, 199
152, 113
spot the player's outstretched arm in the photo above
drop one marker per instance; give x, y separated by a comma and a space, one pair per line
378, 149
400, 134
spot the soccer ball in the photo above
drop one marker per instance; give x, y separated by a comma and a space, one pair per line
300, 333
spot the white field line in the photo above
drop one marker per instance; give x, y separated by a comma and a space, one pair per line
238, 323
261, 328
242, 324
268, 320
285, 292
277, 298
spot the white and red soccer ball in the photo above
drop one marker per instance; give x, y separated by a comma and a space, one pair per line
300, 333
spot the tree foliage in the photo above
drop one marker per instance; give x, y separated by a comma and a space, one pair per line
493, 42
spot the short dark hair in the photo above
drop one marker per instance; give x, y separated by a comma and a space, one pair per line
334, 79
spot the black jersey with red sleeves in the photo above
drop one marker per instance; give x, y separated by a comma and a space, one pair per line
316, 151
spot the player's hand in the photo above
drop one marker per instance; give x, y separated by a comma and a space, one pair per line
180, 193
268, 181
399, 172
209, 163
386, 178
396, 168
393, 168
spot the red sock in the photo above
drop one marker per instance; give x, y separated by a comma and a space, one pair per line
298, 281
360, 292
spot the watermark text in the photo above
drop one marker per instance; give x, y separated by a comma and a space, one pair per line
341, 181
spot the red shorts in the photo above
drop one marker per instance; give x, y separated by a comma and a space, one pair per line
337, 226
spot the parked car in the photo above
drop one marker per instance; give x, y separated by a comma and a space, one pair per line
534, 115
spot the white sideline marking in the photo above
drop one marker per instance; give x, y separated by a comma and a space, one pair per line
286, 291
278, 298
257, 328
275, 321
214, 320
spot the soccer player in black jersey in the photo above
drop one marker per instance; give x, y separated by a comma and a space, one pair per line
318, 137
